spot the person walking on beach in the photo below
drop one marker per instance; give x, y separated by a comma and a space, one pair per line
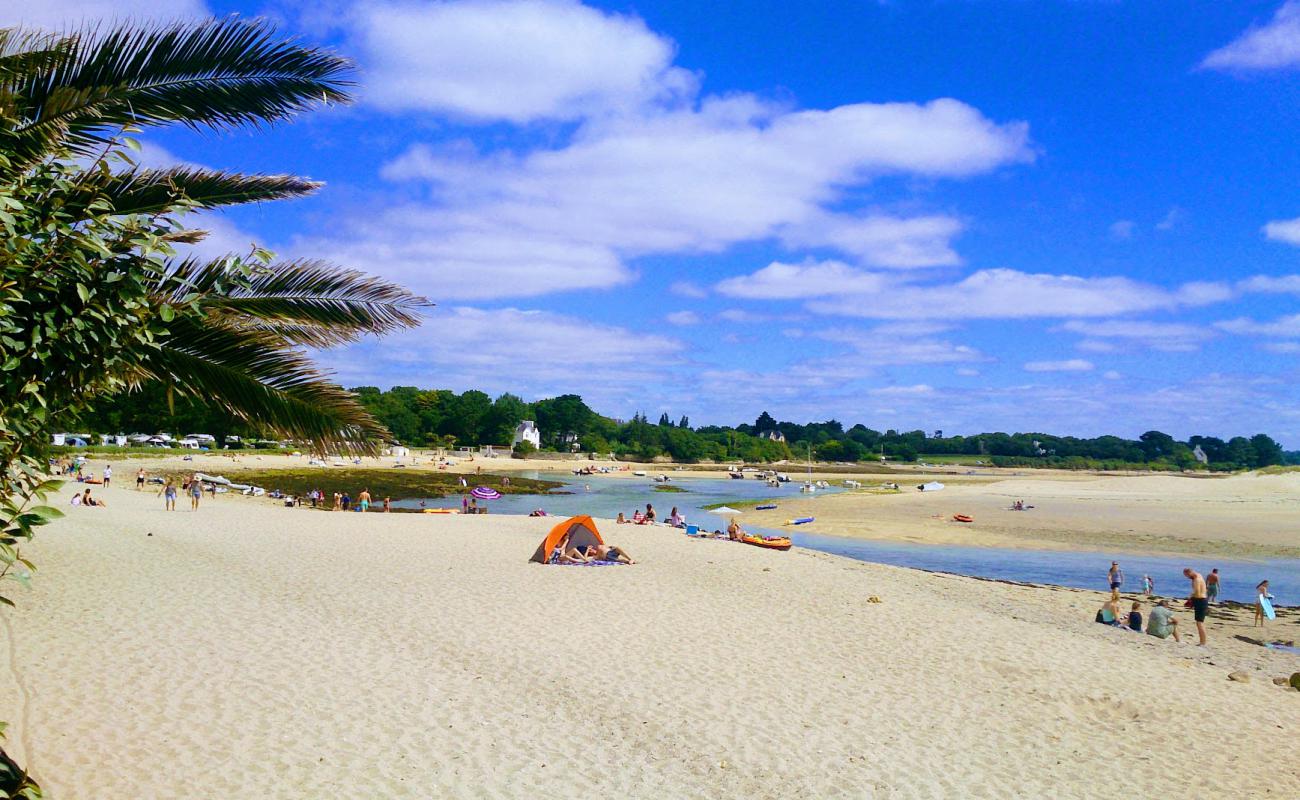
196, 492
1212, 586
1115, 576
169, 494
363, 499
108, 474
1261, 594
1199, 600
1146, 585
139, 479
388, 504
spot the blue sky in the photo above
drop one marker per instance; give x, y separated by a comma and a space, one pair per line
1078, 217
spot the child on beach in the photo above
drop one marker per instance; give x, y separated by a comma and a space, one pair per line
1135, 617
1147, 585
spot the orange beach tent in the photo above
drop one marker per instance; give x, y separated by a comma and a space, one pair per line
582, 533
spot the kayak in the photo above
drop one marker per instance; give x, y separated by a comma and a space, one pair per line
441, 511
774, 543
963, 518
800, 521
768, 507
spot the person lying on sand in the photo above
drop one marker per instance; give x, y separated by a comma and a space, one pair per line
1162, 622
604, 552
564, 554
622, 520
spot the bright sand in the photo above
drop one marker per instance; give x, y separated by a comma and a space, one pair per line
252, 650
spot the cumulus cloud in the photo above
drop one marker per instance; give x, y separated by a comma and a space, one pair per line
1166, 336
881, 240
1273, 45
1283, 327
512, 60
1068, 365
1010, 294
1271, 284
884, 345
62, 15
779, 281
1283, 230
683, 318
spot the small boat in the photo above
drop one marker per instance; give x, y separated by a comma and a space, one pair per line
800, 521
963, 518
853, 484
771, 543
767, 507
441, 511
639, 473
807, 488
736, 476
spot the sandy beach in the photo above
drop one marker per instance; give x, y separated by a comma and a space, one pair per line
250, 649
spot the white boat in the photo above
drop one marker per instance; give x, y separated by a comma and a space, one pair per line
808, 486
639, 473
853, 484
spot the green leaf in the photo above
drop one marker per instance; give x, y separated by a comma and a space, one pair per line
83, 292
166, 312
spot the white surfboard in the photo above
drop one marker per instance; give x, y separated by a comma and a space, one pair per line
1267, 605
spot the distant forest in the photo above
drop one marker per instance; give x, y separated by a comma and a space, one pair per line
439, 417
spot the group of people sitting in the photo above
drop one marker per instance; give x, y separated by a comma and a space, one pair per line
1161, 624
563, 553
84, 499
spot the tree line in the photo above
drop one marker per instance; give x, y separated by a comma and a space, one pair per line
443, 418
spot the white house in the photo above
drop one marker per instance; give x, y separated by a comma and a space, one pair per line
527, 431
774, 435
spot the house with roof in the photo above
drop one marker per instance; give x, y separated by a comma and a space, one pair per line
527, 431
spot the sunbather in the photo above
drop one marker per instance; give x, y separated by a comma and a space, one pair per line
604, 552
734, 531
564, 554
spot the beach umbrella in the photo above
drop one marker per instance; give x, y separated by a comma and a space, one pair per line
724, 510
485, 493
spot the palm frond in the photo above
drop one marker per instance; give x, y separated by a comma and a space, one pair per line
218, 73
254, 376
145, 191
307, 301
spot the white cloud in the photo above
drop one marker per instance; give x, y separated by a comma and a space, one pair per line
1111, 375
1166, 336
1283, 230
741, 315
513, 60
779, 281
1283, 327
1274, 45
62, 15
1271, 284
688, 289
683, 318
694, 180
1010, 294
1171, 219
903, 391
1122, 229
1068, 365
967, 372
1282, 348
882, 346
1096, 346
881, 240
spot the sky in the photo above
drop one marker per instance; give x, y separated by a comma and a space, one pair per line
1070, 216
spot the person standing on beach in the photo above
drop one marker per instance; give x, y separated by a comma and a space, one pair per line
108, 474
1261, 592
139, 479
363, 499
388, 504
1115, 576
1199, 600
1212, 586
196, 492
1146, 585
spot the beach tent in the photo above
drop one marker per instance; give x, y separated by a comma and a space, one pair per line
582, 533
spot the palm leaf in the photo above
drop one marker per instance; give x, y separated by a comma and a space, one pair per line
256, 377
219, 73
307, 302
145, 191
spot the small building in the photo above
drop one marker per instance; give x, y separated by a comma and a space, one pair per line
527, 431
398, 451
772, 435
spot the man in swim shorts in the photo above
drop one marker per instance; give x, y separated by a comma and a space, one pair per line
1212, 585
1200, 601
364, 499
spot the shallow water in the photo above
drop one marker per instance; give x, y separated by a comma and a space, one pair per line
602, 496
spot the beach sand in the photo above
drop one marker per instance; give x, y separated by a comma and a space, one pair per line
251, 650
1239, 515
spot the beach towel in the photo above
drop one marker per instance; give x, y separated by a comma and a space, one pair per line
594, 564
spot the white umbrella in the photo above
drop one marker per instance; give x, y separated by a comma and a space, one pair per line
725, 510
